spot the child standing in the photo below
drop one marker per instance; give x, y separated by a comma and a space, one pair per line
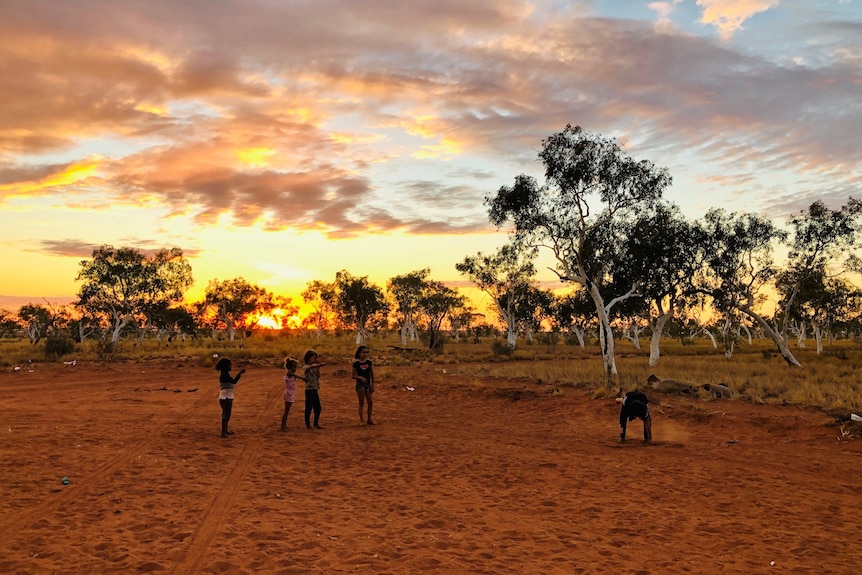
312, 387
290, 377
363, 373
225, 395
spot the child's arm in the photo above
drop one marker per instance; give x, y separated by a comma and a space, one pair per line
358, 377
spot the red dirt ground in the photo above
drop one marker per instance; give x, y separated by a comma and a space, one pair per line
459, 476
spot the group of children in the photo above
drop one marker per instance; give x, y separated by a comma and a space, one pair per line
634, 405
363, 375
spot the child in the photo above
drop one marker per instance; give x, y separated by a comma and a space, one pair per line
312, 387
363, 373
290, 377
225, 396
635, 405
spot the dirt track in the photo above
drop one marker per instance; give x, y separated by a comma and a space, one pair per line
460, 476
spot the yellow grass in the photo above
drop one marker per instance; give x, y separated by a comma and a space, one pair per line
756, 373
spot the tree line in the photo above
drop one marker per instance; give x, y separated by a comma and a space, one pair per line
630, 260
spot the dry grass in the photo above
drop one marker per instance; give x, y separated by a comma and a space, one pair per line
756, 373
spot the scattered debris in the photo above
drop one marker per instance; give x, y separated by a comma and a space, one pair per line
854, 417
72, 363
65, 481
408, 388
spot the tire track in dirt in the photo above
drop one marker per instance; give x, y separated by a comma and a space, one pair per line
89, 484
213, 518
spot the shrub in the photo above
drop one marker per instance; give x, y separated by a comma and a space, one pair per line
105, 350
501, 347
57, 345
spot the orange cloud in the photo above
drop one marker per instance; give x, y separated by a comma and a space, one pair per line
29, 182
728, 15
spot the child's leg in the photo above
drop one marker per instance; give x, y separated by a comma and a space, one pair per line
368, 396
648, 428
360, 393
287, 406
317, 408
308, 404
226, 405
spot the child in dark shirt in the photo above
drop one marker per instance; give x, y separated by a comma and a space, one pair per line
363, 373
226, 387
635, 405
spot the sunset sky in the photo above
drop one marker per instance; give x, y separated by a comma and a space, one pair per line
282, 141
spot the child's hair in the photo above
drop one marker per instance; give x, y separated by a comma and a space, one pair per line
291, 363
222, 364
308, 355
359, 350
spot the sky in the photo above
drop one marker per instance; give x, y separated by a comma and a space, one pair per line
284, 140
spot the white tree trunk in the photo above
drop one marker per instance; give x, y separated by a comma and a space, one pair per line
780, 342
632, 334
801, 335
818, 335
361, 335
120, 324
747, 333
729, 338
511, 328
606, 334
711, 337
655, 338
579, 333
511, 338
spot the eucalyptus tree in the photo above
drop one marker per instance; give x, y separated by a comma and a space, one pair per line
660, 253
405, 290
436, 302
574, 313
821, 301
462, 318
359, 303
822, 246
120, 285
234, 301
504, 276
738, 268
321, 296
37, 320
9, 325
590, 182
172, 321
533, 305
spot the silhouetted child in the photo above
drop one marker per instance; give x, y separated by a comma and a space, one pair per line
363, 373
312, 387
290, 377
635, 405
225, 395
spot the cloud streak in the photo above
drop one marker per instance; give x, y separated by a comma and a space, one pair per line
315, 115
